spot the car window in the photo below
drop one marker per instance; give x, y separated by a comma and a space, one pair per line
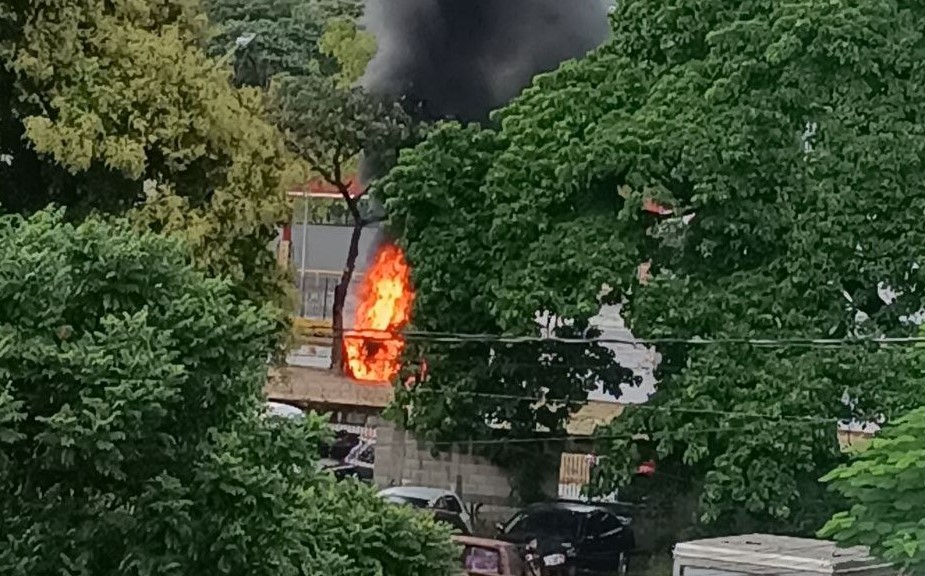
602, 524
455, 523
450, 503
406, 500
368, 454
363, 453
545, 523
482, 560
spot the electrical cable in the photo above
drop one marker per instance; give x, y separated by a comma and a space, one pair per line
564, 438
462, 338
665, 409
777, 418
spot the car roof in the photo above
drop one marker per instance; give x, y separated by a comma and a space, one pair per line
574, 507
284, 410
419, 492
481, 542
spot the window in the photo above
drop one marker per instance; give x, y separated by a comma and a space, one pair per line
368, 455
406, 500
545, 523
450, 504
482, 560
602, 525
362, 453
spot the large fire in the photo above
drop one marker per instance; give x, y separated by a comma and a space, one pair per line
373, 348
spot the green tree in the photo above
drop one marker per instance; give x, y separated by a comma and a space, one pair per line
783, 135
114, 107
329, 121
883, 485
349, 46
448, 223
132, 437
330, 126
271, 37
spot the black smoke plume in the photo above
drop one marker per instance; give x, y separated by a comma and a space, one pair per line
461, 59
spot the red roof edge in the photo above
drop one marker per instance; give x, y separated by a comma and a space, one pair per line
319, 187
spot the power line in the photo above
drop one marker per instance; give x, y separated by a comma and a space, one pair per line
464, 338
563, 438
776, 418
665, 409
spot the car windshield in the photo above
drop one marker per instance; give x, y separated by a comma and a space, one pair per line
406, 500
545, 523
362, 452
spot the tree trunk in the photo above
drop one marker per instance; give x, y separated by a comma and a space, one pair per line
340, 297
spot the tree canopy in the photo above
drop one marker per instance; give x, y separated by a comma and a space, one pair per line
784, 138
115, 107
271, 37
132, 436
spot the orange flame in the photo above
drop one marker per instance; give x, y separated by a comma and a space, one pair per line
384, 307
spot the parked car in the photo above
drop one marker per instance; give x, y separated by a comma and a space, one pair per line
444, 504
284, 410
484, 557
336, 453
589, 539
359, 463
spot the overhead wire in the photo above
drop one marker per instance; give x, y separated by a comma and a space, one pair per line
646, 407
649, 407
560, 438
462, 338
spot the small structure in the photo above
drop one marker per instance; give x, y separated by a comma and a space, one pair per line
766, 555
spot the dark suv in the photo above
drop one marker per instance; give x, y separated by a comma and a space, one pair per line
595, 540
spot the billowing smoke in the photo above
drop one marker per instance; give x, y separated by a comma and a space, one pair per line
462, 59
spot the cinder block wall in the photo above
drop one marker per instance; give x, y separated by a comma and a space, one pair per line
484, 487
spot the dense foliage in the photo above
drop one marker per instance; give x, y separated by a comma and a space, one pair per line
884, 486
132, 440
297, 37
787, 137
115, 107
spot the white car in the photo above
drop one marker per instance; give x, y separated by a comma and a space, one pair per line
284, 410
430, 498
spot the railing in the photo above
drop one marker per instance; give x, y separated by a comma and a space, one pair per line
316, 293
575, 469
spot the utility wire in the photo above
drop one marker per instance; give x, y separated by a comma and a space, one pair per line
664, 409
562, 438
776, 418
461, 338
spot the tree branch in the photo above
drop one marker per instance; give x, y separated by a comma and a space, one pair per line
334, 177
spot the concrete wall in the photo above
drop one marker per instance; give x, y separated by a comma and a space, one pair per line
484, 487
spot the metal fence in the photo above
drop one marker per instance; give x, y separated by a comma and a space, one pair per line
316, 291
